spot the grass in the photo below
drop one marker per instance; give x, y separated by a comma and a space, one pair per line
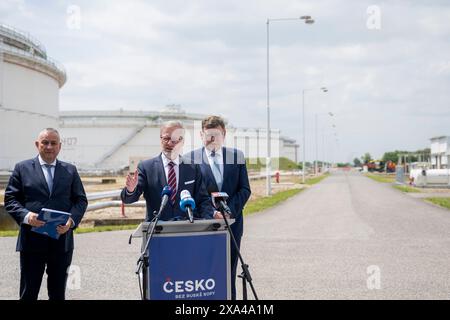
261, 204
315, 180
381, 178
443, 202
106, 228
276, 164
14, 233
9, 233
267, 202
407, 189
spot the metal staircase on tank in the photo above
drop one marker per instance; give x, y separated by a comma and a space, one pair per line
119, 145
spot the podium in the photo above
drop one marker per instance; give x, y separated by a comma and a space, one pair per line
187, 261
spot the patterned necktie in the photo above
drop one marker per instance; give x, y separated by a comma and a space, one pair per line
172, 180
216, 170
49, 177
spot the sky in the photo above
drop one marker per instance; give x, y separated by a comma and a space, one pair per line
386, 64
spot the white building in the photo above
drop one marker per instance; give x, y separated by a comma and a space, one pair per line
440, 152
110, 140
29, 94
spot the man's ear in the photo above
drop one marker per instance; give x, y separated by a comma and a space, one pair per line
36, 143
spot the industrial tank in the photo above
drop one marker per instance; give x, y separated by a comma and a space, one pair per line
29, 94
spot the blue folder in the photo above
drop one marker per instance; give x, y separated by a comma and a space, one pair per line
52, 218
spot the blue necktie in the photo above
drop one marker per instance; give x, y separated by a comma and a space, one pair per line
216, 171
49, 177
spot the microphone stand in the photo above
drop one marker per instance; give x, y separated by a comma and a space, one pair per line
143, 260
245, 275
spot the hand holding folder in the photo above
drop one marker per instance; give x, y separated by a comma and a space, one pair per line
53, 219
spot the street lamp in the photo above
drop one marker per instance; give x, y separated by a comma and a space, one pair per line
307, 20
323, 89
316, 164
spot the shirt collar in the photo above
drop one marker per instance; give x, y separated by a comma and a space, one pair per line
166, 160
42, 162
218, 153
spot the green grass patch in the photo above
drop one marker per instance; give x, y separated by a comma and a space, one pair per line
106, 228
407, 189
14, 233
276, 164
9, 233
381, 178
267, 202
443, 202
315, 180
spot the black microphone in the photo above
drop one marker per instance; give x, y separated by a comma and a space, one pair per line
219, 200
187, 204
165, 193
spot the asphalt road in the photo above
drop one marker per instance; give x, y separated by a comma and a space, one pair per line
347, 237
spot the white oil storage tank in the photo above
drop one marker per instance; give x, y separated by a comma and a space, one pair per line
29, 94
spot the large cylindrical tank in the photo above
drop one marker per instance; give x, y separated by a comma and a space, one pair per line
29, 94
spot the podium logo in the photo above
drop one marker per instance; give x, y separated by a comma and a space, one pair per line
189, 285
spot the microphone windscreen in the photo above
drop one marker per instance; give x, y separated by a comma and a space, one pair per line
166, 191
187, 202
185, 194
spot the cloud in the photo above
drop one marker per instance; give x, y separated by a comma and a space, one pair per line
388, 87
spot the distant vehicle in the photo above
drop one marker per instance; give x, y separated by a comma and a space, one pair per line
375, 166
380, 166
390, 166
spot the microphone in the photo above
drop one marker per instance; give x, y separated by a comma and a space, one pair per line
219, 200
187, 204
165, 193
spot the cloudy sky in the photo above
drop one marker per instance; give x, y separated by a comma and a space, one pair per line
386, 63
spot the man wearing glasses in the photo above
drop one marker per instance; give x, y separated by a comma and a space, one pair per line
168, 169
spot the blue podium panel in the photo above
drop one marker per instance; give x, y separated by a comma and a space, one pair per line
189, 266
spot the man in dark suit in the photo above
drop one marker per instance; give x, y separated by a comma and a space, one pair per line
45, 182
224, 169
168, 169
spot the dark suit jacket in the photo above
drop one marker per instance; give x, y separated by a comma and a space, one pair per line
235, 182
27, 191
152, 179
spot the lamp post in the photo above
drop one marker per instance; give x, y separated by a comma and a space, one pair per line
316, 164
307, 20
323, 89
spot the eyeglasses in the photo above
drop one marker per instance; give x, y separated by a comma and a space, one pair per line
213, 134
169, 139
52, 143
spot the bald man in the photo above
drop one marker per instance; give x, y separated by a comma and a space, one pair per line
45, 182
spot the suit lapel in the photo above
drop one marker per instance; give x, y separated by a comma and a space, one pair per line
162, 180
40, 175
225, 158
57, 175
181, 176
